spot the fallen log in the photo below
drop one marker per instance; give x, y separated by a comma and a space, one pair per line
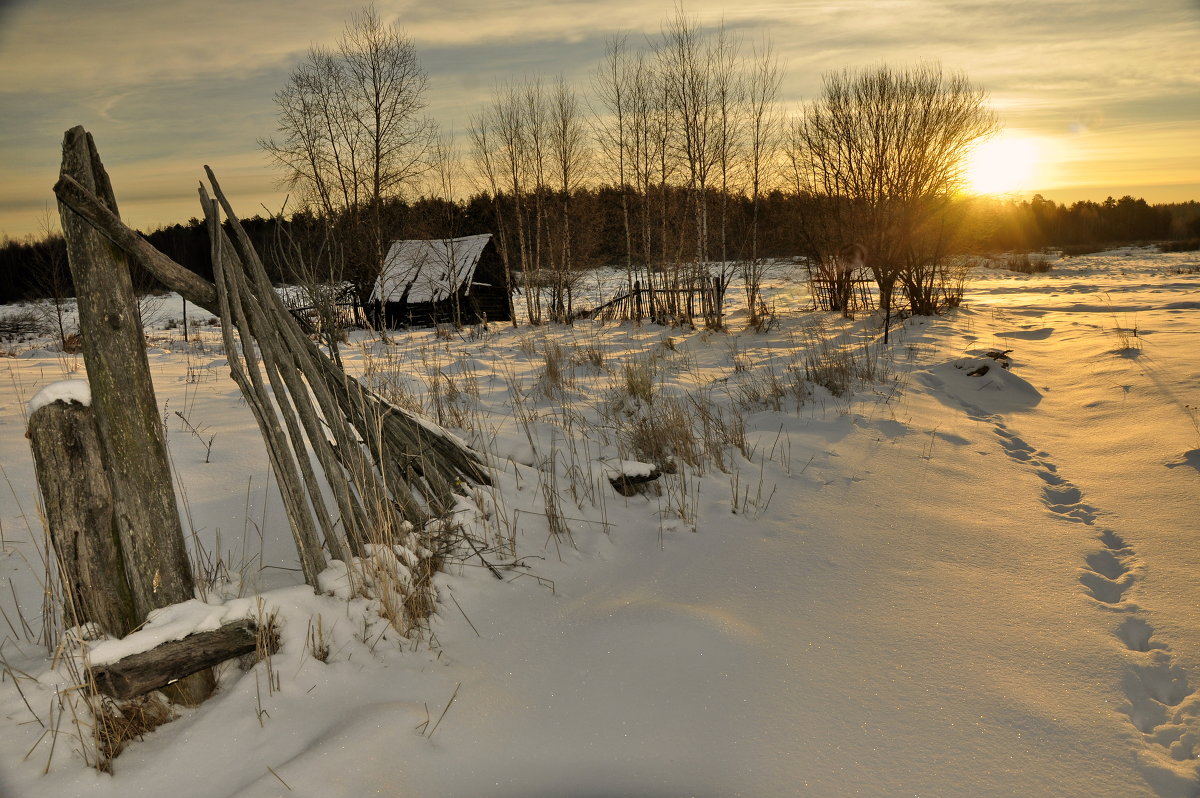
176, 659
631, 477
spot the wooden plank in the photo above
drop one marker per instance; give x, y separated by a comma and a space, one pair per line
174, 660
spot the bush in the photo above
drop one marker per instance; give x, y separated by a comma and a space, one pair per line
1026, 263
21, 323
1187, 245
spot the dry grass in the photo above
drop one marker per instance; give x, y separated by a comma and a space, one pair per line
664, 434
555, 376
838, 365
639, 378
117, 723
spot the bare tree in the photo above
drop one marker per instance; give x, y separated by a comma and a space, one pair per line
689, 80
504, 130
763, 133
568, 156
883, 150
612, 84
488, 166
352, 133
52, 275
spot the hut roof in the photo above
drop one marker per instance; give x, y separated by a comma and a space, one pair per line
428, 270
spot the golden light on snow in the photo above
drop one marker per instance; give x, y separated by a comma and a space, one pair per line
1004, 165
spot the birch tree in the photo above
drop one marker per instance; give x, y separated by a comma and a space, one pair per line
351, 133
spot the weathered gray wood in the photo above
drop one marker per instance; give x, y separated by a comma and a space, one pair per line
246, 374
174, 660
79, 517
81, 199
126, 411
423, 451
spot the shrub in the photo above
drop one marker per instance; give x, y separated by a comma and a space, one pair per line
1188, 245
1026, 263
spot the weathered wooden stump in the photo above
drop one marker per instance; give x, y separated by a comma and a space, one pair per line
79, 516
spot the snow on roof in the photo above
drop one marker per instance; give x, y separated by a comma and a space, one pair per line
429, 271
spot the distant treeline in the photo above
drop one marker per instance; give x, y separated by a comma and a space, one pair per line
1040, 223
300, 248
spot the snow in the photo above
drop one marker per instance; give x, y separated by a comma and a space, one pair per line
65, 391
614, 469
937, 584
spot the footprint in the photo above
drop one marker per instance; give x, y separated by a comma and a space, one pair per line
1164, 682
1050, 478
1065, 493
1105, 563
1014, 443
1103, 589
1135, 633
1114, 542
1083, 513
1145, 715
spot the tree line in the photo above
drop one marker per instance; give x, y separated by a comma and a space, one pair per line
35, 267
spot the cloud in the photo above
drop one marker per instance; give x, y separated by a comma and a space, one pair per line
182, 81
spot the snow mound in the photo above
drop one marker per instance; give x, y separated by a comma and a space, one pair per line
980, 383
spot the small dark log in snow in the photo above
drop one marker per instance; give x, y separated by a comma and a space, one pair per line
630, 484
171, 661
1001, 357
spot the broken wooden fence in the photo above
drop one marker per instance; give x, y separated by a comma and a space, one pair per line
704, 298
386, 471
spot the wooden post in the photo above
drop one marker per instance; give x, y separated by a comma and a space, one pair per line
126, 411
79, 517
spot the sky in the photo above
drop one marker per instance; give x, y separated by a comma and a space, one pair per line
1107, 92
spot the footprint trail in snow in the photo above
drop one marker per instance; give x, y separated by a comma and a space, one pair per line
1160, 701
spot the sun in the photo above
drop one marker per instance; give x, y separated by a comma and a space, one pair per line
1004, 165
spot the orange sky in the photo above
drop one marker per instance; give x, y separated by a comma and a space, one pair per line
1109, 91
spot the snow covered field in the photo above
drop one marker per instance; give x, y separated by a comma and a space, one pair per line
935, 584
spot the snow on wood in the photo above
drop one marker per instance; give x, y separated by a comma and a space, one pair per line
67, 391
171, 661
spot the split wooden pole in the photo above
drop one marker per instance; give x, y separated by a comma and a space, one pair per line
126, 411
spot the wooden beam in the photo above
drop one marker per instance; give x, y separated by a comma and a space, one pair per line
174, 660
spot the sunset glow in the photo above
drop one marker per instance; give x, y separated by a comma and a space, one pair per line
1007, 164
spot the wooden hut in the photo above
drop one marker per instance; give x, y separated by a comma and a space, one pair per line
440, 281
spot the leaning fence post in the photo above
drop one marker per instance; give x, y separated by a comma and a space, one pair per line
126, 411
